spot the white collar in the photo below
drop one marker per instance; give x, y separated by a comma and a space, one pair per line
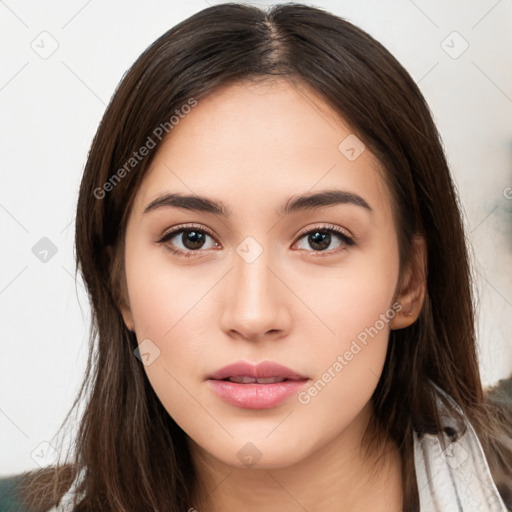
453, 474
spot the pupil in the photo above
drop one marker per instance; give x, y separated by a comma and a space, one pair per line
320, 241
192, 239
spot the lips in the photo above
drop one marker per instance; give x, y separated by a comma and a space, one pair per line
267, 372
262, 386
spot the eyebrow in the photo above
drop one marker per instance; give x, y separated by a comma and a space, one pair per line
294, 204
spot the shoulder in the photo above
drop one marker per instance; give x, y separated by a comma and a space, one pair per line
50, 489
9, 494
451, 467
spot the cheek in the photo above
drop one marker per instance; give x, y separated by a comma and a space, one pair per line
168, 304
351, 297
160, 292
356, 308
348, 371
172, 322
169, 310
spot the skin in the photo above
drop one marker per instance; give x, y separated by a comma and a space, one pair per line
252, 147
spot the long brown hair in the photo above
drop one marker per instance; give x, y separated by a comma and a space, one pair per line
135, 455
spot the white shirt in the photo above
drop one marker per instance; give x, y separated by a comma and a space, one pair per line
452, 476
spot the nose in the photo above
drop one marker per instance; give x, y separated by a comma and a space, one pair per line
255, 300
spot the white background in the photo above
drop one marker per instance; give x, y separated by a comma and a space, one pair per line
51, 108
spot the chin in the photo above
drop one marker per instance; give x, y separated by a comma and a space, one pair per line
256, 453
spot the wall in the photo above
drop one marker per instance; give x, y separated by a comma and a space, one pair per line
62, 63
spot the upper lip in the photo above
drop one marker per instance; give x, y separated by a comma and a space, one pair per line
263, 370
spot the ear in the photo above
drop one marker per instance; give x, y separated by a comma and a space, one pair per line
127, 316
120, 288
413, 287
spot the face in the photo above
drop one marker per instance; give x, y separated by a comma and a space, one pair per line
311, 287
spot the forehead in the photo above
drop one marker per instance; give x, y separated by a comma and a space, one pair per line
247, 143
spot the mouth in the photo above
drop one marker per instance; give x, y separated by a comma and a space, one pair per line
263, 386
253, 380
243, 372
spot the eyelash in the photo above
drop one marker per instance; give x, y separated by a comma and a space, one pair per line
345, 239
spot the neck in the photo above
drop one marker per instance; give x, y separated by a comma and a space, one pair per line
336, 476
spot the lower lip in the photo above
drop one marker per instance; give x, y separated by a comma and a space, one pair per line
256, 396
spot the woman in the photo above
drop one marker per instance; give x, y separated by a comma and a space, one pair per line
282, 312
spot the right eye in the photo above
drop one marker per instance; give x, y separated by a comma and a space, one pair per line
191, 237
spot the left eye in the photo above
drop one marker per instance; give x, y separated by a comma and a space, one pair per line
193, 238
321, 238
